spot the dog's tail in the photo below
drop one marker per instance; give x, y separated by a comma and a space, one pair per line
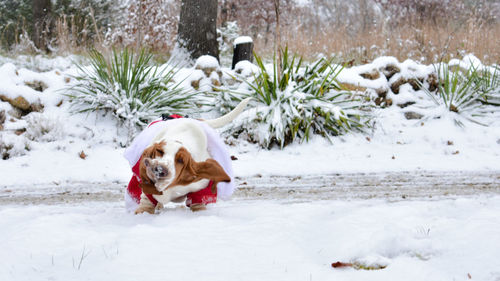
226, 119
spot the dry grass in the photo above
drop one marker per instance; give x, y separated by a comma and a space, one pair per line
76, 37
66, 36
424, 42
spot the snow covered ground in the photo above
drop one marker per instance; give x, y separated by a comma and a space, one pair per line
255, 237
450, 239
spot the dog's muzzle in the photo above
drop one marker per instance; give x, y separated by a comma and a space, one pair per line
160, 171
156, 171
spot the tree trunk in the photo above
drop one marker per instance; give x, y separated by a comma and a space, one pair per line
198, 28
277, 41
41, 23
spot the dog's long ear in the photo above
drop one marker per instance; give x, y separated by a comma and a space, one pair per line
151, 152
211, 169
192, 171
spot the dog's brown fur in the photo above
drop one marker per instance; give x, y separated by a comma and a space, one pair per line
187, 170
153, 151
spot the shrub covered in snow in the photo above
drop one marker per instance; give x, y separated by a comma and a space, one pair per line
43, 127
226, 34
12, 145
129, 87
295, 103
465, 92
489, 86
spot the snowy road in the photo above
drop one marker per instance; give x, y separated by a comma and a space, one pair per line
390, 186
417, 226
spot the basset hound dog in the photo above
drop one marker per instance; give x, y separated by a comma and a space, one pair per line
180, 160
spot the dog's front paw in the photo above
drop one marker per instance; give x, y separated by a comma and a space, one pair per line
141, 210
198, 207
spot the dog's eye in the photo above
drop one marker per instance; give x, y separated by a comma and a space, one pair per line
160, 152
179, 160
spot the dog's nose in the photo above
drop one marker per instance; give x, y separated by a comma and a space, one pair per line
160, 171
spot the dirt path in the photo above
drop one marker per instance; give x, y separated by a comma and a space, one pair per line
390, 186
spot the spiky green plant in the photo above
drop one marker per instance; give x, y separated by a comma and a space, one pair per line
318, 78
462, 93
129, 87
296, 103
489, 85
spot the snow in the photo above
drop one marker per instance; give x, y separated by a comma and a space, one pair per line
254, 240
15, 83
242, 40
279, 239
467, 62
415, 148
246, 68
303, 2
42, 63
207, 61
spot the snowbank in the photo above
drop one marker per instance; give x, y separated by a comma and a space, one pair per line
46, 146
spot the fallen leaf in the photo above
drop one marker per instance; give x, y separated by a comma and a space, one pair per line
20, 131
341, 264
82, 155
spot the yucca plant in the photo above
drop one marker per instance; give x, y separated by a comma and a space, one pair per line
296, 103
319, 78
489, 85
461, 93
129, 87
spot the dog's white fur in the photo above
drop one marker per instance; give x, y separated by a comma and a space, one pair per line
182, 133
188, 134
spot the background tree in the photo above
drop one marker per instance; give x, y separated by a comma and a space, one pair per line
15, 18
41, 23
197, 31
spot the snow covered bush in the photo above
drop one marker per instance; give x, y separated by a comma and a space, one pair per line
43, 127
295, 103
129, 87
464, 93
489, 85
12, 145
226, 34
